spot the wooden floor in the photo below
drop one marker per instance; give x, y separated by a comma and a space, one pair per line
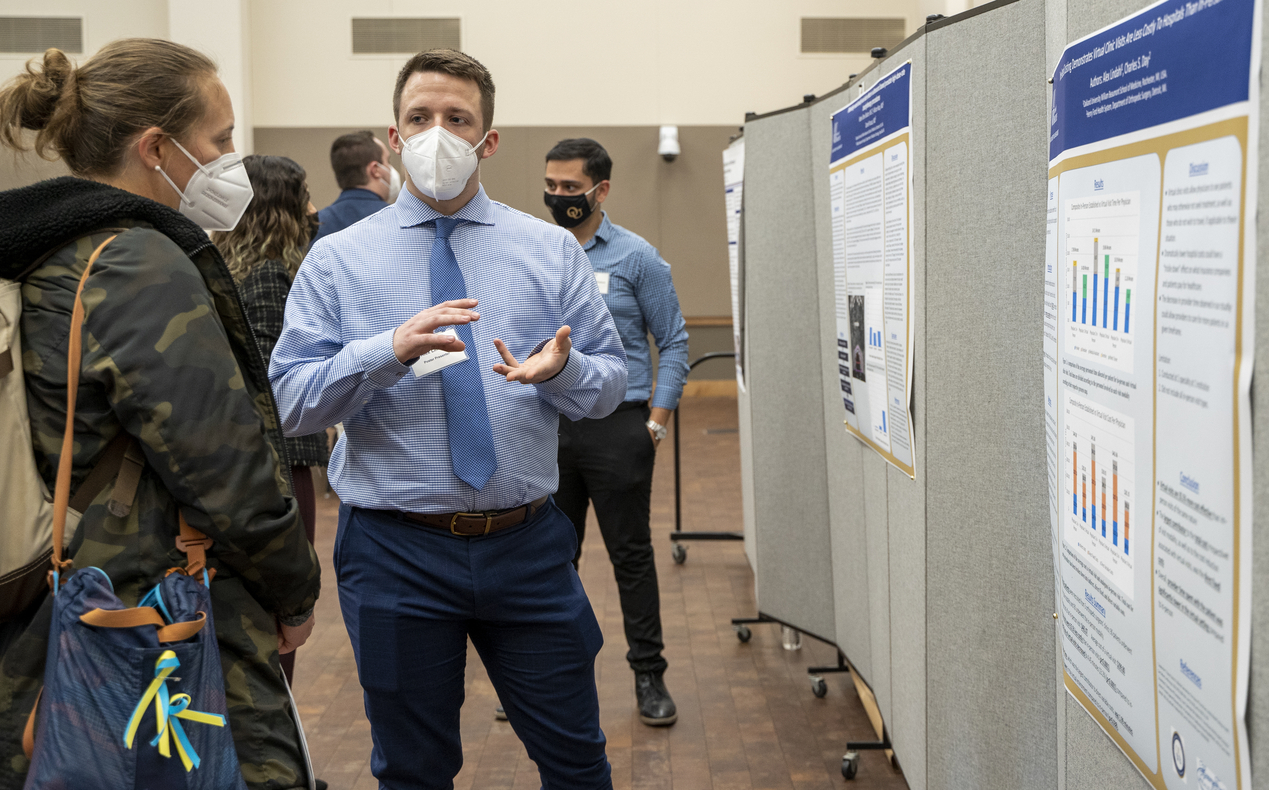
747, 717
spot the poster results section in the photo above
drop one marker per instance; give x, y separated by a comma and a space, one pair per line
734, 189
870, 187
1148, 346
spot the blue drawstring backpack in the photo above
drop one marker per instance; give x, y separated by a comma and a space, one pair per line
133, 698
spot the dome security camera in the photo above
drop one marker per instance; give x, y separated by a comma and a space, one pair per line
668, 148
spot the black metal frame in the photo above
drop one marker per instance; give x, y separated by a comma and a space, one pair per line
678, 533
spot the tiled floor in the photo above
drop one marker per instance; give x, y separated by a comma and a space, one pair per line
747, 717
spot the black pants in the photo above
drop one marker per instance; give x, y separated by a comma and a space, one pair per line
608, 462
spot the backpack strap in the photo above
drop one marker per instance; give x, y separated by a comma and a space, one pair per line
121, 460
28, 733
61, 491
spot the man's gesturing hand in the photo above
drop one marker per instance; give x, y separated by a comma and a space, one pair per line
539, 367
416, 336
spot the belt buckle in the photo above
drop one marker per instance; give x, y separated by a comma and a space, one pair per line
454, 521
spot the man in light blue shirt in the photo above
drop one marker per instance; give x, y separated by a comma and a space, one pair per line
608, 461
444, 471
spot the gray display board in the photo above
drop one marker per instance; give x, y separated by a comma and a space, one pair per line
941, 590
992, 697
877, 513
794, 572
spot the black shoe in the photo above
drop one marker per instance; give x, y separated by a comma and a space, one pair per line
500, 714
656, 708
321, 785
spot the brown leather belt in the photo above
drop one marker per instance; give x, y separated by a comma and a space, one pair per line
476, 524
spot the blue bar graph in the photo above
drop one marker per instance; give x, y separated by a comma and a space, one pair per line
1116, 326
1106, 292
1084, 303
1075, 289
1127, 308
1095, 295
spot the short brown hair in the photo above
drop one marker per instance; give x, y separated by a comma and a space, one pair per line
456, 64
349, 155
90, 115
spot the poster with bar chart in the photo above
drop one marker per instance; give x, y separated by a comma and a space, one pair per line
1102, 242
1100, 485
870, 190
1149, 335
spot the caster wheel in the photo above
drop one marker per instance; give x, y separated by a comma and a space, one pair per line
743, 633
850, 765
818, 687
679, 553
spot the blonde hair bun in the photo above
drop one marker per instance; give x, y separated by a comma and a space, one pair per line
35, 94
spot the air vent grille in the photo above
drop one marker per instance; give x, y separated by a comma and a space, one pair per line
34, 34
850, 34
401, 35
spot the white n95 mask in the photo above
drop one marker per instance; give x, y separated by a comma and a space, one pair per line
217, 194
393, 185
440, 162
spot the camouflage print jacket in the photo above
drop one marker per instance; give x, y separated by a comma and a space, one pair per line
169, 357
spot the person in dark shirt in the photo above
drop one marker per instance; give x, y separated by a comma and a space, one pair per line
360, 162
263, 253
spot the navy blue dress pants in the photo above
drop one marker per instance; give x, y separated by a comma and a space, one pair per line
412, 595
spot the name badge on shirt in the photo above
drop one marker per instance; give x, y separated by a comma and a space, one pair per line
437, 360
601, 279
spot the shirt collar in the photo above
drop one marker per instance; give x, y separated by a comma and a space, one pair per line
358, 193
604, 233
412, 211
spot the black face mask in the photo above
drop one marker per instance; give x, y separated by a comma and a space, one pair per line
569, 211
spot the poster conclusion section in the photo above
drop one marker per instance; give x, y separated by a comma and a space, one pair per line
1149, 297
870, 189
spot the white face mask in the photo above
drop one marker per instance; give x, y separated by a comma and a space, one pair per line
440, 162
394, 185
217, 194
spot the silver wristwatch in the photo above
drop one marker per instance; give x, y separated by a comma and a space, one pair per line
658, 430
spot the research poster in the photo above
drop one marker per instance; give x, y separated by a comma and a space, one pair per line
1148, 335
734, 189
870, 188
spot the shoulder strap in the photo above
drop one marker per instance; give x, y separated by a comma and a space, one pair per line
61, 490
122, 457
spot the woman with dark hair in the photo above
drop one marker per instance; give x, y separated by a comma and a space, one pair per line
170, 370
264, 251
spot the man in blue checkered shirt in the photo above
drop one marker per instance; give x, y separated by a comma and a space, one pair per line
448, 333
608, 461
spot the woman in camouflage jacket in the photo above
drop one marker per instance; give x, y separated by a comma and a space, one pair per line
169, 358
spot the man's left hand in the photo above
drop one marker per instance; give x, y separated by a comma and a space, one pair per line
539, 367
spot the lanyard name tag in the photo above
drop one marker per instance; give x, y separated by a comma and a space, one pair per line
601, 279
437, 360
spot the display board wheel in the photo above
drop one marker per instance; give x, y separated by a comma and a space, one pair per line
679, 553
819, 687
743, 633
850, 765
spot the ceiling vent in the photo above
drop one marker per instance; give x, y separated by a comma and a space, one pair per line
404, 35
850, 34
34, 34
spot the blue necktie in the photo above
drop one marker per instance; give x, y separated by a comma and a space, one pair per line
471, 444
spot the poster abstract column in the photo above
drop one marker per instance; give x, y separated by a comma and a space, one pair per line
870, 188
1149, 322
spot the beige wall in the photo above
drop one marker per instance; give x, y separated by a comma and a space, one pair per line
638, 62
677, 206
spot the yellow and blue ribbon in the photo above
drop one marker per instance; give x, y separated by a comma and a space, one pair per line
168, 711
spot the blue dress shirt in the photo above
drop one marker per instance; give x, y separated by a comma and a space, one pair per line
352, 206
334, 360
641, 299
